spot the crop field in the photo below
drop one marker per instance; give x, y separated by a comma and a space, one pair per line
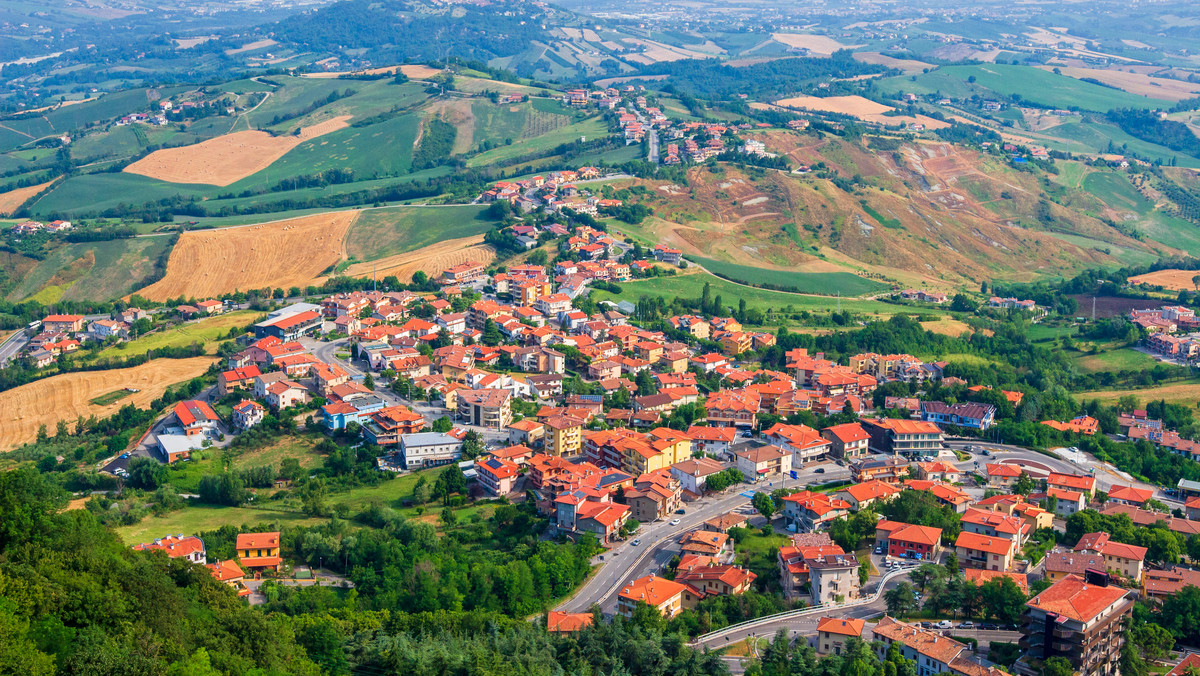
379, 233
1135, 83
862, 108
91, 270
68, 396
1175, 280
294, 252
821, 283
817, 45
413, 71
590, 128
9, 201
1129, 205
98, 110
225, 159
97, 192
909, 66
1033, 84
204, 331
1187, 393
947, 327
690, 285
1096, 137
432, 260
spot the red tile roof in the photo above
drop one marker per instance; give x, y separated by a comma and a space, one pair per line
837, 625
1073, 598
258, 540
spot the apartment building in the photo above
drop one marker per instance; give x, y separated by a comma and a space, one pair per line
1078, 618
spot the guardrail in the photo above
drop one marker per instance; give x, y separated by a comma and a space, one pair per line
769, 619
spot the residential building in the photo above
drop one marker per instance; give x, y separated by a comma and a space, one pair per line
692, 474
558, 622
661, 594
1080, 619
908, 541
708, 543
188, 547
764, 462
803, 442
485, 408
654, 495
980, 576
1072, 482
429, 449
1129, 495
1083, 424
867, 493
564, 435
887, 470
496, 475
714, 440
903, 437
388, 425
832, 633
1002, 476
996, 524
833, 578
237, 379
967, 414
704, 577
1120, 559
63, 323
230, 574
1061, 562
1067, 502
933, 653
848, 440
984, 551
258, 551
195, 417
248, 413
526, 432
807, 511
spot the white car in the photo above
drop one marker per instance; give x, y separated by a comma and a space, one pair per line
636, 542
674, 522
944, 624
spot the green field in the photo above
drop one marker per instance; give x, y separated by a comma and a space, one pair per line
199, 518
1093, 136
204, 331
1117, 192
1031, 84
385, 232
822, 283
98, 192
1122, 359
111, 397
92, 271
590, 128
691, 285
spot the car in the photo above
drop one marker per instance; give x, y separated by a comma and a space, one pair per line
944, 624
636, 542
966, 625
879, 550
681, 511
819, 470
124, 455
989, 627
674, 522
986, 452
927, 625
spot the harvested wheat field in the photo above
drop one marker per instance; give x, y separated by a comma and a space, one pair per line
414, 71
908, 66
1185, 393
1174, 280
294, 252
817, 45
251, 46
66, 397
1135, 83
433, 259
9, 201
229, 158
947, 327
862, 108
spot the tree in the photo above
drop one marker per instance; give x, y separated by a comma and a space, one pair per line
1002, 599
926, 573
290, 469
369, 382
442, 425
313, 496
421, 492
764, 504
450, 481
900, 600
147, 473
1024, 484
1057, 666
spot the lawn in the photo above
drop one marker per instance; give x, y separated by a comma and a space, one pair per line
385, 232
822, 283
690, 286
760, 553
1032, 84
1122, 359
300, 448
198, 518
590, 128
206, 331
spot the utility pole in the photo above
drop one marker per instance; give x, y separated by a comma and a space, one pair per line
1093, 309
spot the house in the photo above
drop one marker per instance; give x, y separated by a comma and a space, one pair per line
764, 462
564, 435
1129, 495
1061, 562
937, 471
983, 551
1083, 424
704, 577
63, 323
237, 379
793, 560
485, 408
832, 633
867, 493
429, 449
833, 578
663, 595
692, 474
807, 511
230, 574
713, 440
903, 437
1066, 502
722, 524
654, 495
195, 417
1002, 476
932, 652
1119, 558
908, 541
1079, 619
848, 440
247, 413
258, 551
967, 414
558, 622
980, 577
1072, 482
996, 524
285, 393
707, 543
496, 475
887, 470
103, 328
803, 442
190, 547
732, 408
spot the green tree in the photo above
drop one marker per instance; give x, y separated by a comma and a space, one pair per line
899, 600
1057, 666
314, 496
764, 504
442, 425
147, 473
926, 573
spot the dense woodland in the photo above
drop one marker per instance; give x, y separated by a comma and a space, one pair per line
710, 79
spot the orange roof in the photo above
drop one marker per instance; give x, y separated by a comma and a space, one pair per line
1130, 494
984, 543
848, 432
226, 571
924, 535
260, 561
871, 490
1073, 598
652, 589
837, 625
1062, 494
907, 426
1002, 470
560, 622
1073, 481
174, 546
258, 540
980, 576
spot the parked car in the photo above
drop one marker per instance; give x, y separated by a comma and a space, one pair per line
966, 625
636, 542
988, 627
879, 550
681, 511
927, 625
819, 470
944, 624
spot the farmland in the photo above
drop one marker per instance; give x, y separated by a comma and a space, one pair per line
91, 270
431, 260
821, 283
204, 331
1186, 393
590, 128
226, 159
379, 233
1174, 280
68, 396
12, 199
286, 253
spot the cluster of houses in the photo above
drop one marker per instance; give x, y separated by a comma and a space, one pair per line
256, 553
923, 296
1012, 304
61, 334
1162, 325
555, 191
158, 120
32, 227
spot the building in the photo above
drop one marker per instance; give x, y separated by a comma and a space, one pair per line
388, 425
248, 413
1060, 563
984, 551
654, 495
289, 326
692, 474
979, 576
848, 440
230, 574
714, 440
496, 475
907, 541
832, 633
558, 622
661, 594
241, 378
933, 653
967, 414
429, 449
485, 408
1072, 482
564, 435
833, 578
63, 323
887, 470
1080, 619
704, 577
903, 437
189, 547
764, 462
803, 442
867, 493
807, 511
258, 551
1066, 502
1120, 559
1129, 495
1002, 476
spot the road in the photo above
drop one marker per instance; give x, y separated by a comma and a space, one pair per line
12, 346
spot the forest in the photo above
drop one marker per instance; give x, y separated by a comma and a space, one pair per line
710, 79
1148, 126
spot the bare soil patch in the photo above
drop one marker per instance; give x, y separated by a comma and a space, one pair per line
229, 158
287, 253
862, 108
413, 71
909, 66
432, 260
66, 397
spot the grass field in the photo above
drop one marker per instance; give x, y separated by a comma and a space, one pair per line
1096, 136
1032, 84
1187, 393
1117, 192
590, 128
823, 283
691, 285
91, 271
378, 233
1123, 359
204, 331
111, 398
199, 518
